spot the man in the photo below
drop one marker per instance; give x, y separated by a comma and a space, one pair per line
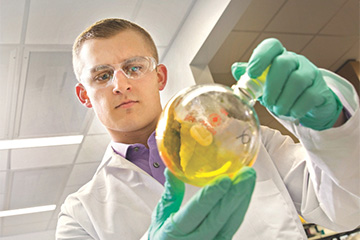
116, 64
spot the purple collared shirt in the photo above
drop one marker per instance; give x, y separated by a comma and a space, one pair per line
148, 160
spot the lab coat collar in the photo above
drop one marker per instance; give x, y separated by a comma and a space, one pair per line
112, 159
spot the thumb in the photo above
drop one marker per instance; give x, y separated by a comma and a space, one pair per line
170, 200
238, 69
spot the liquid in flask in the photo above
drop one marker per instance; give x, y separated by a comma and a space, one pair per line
208, 130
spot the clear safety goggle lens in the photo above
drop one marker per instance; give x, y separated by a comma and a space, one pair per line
133, 68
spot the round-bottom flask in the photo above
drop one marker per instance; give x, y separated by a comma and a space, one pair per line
206, 131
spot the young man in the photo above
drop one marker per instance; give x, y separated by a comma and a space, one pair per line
116, 64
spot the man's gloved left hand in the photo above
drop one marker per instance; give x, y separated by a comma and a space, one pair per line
294, 86
215, 212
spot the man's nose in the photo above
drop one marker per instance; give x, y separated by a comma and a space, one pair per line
120, 82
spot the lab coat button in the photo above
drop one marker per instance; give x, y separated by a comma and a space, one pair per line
156, 165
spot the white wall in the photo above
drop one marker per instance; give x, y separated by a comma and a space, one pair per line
201, 35
189, 40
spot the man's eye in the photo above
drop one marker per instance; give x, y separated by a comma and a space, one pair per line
136, 69
103, 77
133, 69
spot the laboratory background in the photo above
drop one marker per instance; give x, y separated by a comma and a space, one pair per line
50, 145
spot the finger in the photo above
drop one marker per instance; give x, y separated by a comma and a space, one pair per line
245, 187
310, 99
238, 69
238, 196
263, 56
171, 199
196, 210
301, 82
280, 71
303, 105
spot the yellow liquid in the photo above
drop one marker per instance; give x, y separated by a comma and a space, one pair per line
196, 153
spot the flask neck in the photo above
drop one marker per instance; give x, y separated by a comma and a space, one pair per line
250, 89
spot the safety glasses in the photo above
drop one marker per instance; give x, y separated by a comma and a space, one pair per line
103, 75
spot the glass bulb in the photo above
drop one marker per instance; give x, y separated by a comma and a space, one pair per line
209, 130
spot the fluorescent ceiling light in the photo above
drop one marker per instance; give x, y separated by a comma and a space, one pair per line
22, 211
40, 142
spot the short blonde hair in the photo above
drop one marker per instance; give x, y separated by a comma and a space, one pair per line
108, 28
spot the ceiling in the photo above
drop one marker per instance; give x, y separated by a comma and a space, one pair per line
37, 96
326, 32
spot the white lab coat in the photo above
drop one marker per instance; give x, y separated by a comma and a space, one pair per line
318, 179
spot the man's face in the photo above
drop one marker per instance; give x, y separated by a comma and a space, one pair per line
124, 105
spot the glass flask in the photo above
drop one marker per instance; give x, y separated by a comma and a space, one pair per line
208, 130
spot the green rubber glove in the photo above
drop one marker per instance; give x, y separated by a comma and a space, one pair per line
215, 212
294, 86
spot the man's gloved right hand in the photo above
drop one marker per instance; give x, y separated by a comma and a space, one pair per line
215, 212
294, 86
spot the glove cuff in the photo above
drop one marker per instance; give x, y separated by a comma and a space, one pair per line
339, 108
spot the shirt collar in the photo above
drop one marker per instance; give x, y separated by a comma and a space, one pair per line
121, 148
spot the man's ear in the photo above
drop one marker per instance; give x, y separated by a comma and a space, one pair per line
162, 76
81, 93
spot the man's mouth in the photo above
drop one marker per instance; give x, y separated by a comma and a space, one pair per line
126, 104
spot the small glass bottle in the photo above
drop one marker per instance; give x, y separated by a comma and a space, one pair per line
208, 130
